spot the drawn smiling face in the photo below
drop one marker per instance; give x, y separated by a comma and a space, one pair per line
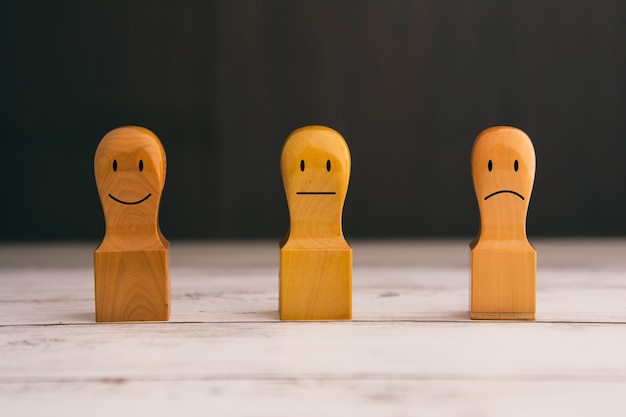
129, 167
140, 166
503, 167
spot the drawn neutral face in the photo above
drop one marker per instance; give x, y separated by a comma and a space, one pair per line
129, 167
315, 166
315, 162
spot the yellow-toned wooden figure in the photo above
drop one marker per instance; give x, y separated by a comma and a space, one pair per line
131, 265
503, 262
315, 259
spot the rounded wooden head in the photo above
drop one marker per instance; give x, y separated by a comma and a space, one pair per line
315, 166
130, 166
503, 170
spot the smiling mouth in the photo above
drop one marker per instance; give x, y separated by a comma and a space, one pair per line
316, 192
131, 202
505, 191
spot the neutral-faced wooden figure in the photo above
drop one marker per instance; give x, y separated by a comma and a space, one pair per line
131, 265
503, 262
315, 259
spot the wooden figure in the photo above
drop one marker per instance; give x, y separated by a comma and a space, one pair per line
315, 259
131, 265
503, 262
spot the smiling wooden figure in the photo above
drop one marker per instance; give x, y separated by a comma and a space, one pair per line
131, 265
315, 259
503, 262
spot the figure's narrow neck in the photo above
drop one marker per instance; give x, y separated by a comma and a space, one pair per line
315, 217
144, 229
316, 229
500, 225
134, 228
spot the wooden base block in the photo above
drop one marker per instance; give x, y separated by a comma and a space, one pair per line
503, 285
315, 284
132, 286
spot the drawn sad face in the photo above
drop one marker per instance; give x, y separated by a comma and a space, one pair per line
315, 166
503, 167
130, 167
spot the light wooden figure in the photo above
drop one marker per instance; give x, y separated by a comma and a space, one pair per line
131, 265
315, 259
503, 262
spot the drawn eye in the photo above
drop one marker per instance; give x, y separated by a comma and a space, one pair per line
114, 165
516, 165
140, 165
490, 165
302, 165
328, 165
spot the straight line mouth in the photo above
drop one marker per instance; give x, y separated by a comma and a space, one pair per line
505, 191
316, 192
131, 203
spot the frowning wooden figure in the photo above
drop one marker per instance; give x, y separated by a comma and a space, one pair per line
503, 262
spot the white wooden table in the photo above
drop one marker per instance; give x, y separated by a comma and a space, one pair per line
410, 350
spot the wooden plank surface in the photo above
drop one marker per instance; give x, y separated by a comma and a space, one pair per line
410, 350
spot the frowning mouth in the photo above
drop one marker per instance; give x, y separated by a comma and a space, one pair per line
505, 191
316, 192
130, 203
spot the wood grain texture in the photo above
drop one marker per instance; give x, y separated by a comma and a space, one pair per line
315, 276
310, 396
503, 262
411, 345
131, 265
580, 281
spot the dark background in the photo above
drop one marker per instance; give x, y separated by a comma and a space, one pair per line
409, 84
